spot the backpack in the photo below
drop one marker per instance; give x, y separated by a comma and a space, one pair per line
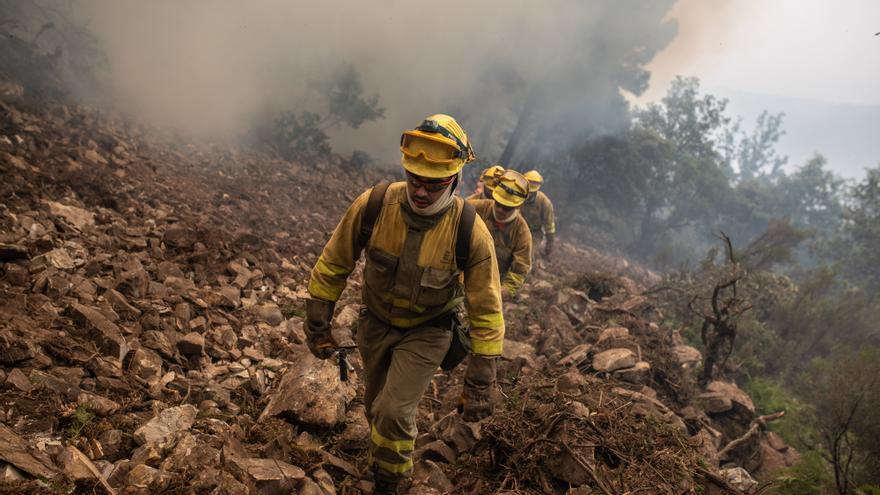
462, 237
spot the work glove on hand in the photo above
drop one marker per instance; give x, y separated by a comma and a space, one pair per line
319, 338
479, 378
548, 245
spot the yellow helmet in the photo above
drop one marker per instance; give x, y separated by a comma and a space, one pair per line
512, 189
535, 180
491, 175
436, 149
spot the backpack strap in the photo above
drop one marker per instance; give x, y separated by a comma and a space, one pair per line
371, 214
463, 237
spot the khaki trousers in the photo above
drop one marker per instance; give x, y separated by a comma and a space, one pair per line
399, 364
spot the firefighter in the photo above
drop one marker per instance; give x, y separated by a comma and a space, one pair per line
426, 253
488, 179
538, 212
513, 241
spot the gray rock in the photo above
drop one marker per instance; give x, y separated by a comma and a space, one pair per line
613, 360
311, 393
166, 424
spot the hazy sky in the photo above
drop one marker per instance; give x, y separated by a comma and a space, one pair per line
815, 49
816, 61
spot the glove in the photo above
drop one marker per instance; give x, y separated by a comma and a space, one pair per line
318, 336
479, 378
548, 244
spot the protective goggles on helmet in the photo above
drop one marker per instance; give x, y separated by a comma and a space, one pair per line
511, 191
434, 149
431, 186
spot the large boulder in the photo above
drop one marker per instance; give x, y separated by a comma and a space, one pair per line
311, 393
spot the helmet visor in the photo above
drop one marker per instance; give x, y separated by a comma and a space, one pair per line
434, 150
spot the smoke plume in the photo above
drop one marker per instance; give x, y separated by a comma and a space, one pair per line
216, 68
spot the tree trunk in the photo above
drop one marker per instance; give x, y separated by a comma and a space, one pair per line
521, 124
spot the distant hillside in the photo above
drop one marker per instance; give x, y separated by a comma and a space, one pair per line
847, 134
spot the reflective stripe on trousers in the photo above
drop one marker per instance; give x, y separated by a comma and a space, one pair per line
399, 364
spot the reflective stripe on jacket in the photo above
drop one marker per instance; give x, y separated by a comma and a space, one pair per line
406, 289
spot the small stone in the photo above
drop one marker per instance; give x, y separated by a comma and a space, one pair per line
168, 422
268, 312
120, 304
76, 465
146, 364
16, 378
111, 442
637, 375
576, 356
97, 404
102, 331
191, 344
571, 382
613, 333
613, 360
428, 473
143, 477
270, 476
347, 317
437, 451
252, 353
687, 356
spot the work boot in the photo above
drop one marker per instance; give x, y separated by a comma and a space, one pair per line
386, 486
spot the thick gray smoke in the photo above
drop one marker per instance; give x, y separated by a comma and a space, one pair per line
216, 68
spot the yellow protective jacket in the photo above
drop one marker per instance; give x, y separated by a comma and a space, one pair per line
410, 275
538, 212
513, 245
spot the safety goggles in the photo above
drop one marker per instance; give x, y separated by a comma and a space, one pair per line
511, 191
432, 186
420, 142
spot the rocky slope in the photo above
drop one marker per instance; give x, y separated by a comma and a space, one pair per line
151, 341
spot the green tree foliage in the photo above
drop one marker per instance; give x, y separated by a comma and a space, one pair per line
857, 246
303, 135
842, 390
